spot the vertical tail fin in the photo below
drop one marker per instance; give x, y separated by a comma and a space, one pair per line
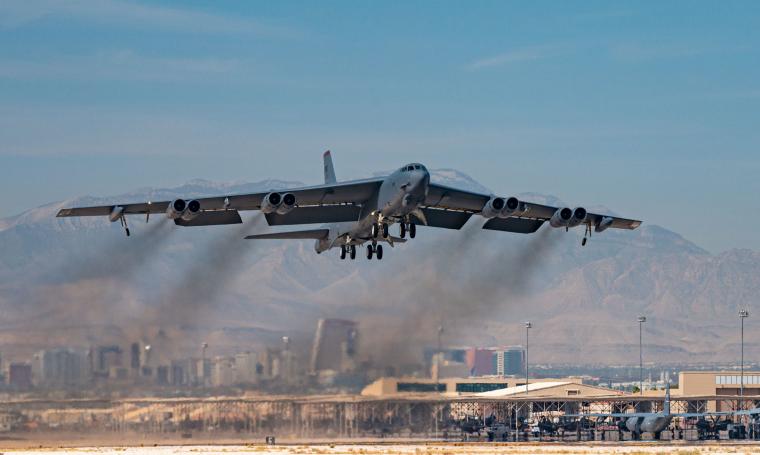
666, 404
329, 169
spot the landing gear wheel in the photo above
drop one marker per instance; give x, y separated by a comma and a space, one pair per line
412, 230
343, 252
352, 253
379, 252
370, 250
374, 231
127, 229
402, 230
583, 242
385, 230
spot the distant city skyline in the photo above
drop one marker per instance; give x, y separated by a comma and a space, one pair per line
648, 108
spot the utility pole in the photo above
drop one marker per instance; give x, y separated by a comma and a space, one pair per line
528, 326
642, 320
743, 314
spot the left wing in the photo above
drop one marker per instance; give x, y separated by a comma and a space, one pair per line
527, 218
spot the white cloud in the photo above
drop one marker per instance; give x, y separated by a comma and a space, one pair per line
525, 54
17, 13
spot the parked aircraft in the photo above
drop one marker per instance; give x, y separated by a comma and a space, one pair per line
649, 422
358, 212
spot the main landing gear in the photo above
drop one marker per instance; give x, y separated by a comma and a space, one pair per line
376, 250
586, 235
350, 250
411, 227
378, 228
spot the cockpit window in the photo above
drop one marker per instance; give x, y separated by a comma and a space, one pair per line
410, 168
417, 166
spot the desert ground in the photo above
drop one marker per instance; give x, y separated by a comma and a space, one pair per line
412, 449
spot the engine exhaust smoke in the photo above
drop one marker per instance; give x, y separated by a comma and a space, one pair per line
214, 267
461, 287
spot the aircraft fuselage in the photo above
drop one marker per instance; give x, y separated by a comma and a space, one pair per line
400, 194
650, 424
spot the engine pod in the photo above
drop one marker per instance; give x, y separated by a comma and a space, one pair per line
271, 202
493, 207
287, 204
192, 210
561, 217
176, 208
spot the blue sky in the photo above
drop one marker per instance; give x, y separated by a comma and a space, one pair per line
650, 108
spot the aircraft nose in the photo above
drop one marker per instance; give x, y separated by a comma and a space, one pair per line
420, 180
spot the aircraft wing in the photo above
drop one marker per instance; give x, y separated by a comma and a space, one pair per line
314, 234
345, 193
649, 414
705, 414
532, 215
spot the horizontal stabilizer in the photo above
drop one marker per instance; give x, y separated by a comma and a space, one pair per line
212, 218
315, 234
321, 214
446, 219
518, 225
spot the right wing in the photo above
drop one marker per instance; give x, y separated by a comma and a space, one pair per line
350, 194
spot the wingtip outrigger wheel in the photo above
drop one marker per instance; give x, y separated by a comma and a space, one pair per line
124, 223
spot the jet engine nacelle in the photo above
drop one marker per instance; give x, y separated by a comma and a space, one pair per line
579, 217
271, 202
493, 207
280, 203
510, 205
561, 217
176, 209
288, 203
192, 210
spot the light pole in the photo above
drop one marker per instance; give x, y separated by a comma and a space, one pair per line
286, 373
528, 326
204, 346
743, 313
642, 320
437, 358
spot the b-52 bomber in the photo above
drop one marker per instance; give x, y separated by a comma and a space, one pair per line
358, 212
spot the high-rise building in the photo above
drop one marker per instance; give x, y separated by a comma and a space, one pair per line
134, 356
245, 368
223, 372
335, 346
480, 361
20, 376
62, 367
509, 361
107, 358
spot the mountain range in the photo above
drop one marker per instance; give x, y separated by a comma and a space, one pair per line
78, 282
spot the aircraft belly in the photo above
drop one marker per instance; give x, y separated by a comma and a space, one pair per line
654, 424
